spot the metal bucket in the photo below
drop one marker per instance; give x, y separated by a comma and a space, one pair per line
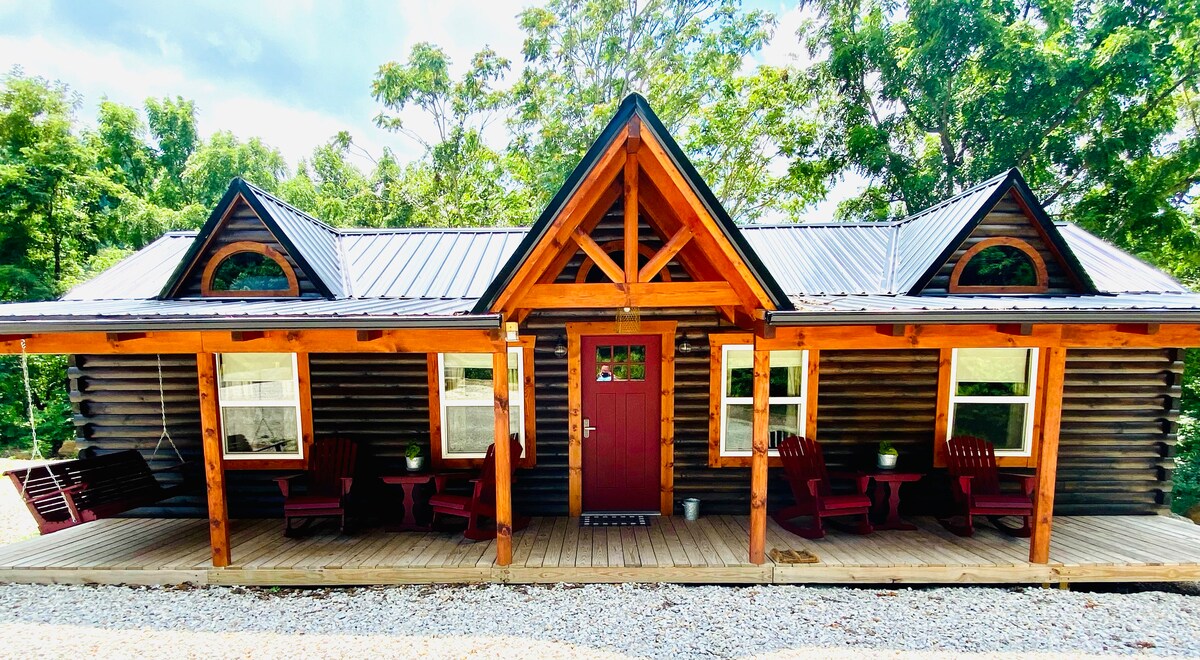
691, 509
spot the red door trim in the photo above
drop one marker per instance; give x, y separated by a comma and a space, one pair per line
666, 332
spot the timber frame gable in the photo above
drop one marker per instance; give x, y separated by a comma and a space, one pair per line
636, 166
208, 247
1047, 249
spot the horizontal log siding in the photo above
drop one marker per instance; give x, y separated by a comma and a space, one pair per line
243, 224
1120, 410
1006, 220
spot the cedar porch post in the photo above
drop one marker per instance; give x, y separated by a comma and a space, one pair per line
758, 455
503, 458
214, 472
1047, 467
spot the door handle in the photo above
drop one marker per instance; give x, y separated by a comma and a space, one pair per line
587, 427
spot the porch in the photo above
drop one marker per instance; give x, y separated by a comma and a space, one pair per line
711, 550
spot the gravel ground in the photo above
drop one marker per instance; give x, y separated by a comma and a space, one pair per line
601, 621
595, 621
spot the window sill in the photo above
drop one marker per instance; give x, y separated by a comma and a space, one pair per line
264, 463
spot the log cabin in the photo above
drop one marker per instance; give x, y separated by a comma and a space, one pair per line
645, 349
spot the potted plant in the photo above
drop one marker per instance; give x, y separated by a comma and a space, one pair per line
413, 459
887, 456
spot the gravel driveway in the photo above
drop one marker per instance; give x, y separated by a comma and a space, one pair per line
603, 621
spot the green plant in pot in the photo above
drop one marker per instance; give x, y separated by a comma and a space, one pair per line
413, 459
887, 456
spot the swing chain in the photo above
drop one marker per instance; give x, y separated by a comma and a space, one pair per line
162, 404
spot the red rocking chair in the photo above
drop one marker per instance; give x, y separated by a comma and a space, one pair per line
481, 503
805, 467
976, 480
329, 478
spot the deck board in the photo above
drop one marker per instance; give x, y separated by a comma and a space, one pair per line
712, 549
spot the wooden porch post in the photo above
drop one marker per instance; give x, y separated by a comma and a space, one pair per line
214, 472
1047, 467
758, 455
503, 459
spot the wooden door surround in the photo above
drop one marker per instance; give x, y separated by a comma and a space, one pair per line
666, 333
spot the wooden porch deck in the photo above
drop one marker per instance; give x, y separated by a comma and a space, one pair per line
711, 550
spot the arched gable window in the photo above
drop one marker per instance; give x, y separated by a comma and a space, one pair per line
248, 269
1000, 265
616, 249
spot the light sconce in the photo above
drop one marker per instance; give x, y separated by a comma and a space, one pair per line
560, 349
685, 346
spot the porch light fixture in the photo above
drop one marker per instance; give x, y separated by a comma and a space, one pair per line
560, 349
685, 346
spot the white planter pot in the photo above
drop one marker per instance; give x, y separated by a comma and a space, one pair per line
886, 461
414, 464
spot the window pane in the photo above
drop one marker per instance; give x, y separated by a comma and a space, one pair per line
739, 372
787, 373
999, 265
604, 353
637, 372
260, 430
248, 271
993, 371
637, 353
1002, 424
784, 419
469, 429
468, 376
257, 377
620, 353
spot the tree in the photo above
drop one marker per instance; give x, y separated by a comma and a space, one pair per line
210, 169
688, 57
173, 126
926, 99
121, 150
459, 180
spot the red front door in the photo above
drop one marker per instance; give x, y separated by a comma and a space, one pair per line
621, 443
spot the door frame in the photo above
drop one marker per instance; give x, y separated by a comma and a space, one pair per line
666, 481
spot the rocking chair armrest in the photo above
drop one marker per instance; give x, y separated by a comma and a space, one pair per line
862, 480
1027, 481
964, 484
60, 492
347, 482
285, 482
814, 487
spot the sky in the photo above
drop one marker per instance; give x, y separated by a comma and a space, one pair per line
291, 72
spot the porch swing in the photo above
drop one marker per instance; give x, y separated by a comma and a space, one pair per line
68, 493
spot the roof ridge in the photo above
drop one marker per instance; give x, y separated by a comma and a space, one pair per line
956, 198
303, 214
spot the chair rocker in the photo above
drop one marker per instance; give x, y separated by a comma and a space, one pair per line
328, 480
975, 482
480, 505
810, 483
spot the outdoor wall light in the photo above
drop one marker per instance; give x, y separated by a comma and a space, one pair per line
685, 346
560, 349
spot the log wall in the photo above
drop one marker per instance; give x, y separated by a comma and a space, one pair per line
1118, 435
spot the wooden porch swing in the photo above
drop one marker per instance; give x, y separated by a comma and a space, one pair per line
63, 494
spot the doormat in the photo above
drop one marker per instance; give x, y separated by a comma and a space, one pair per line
614, 520
793, 556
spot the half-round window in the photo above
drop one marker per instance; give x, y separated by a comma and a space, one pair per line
999, 265
249, 269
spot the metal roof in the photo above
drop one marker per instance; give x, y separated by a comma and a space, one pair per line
1112, 269
427, 263
194, 314
141, 275
826, 258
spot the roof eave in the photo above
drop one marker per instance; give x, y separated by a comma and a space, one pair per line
967, 317
29, 325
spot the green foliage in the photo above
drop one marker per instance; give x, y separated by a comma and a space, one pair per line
1186, 495
215, 163
888, 449
413, 450
999, 265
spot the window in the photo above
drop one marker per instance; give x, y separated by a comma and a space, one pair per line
259, 395
248, 269
992, 396
999, 265
467, 402
789, 385
626, 362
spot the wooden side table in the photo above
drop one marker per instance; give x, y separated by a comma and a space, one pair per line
891, 481
409, 483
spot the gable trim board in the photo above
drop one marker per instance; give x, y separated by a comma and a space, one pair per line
633, 107
239, 191
1013, 182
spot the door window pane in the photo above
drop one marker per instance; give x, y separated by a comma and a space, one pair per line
621, 363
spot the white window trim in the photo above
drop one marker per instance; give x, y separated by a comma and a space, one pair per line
1030, 401
269, 403
480, 403
727, 400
